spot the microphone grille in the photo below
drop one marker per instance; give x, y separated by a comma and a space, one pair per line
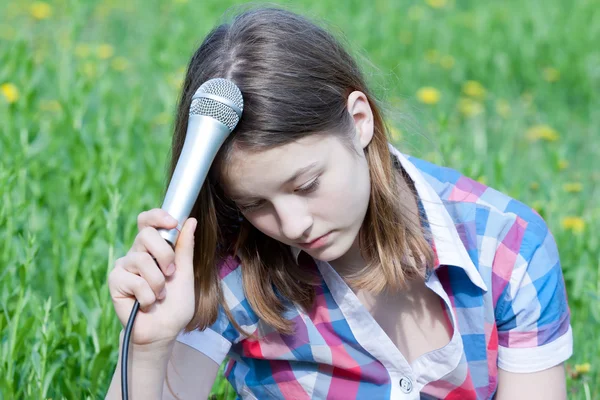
223, 111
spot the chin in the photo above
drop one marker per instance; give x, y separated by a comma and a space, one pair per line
326, 256
332, 252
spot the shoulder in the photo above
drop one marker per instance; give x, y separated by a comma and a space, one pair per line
230, 272
234, 296
508, 242
516, 255
489, 213
216, 340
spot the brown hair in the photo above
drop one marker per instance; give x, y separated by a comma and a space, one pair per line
295, 78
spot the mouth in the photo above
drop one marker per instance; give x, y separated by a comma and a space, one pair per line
318, 242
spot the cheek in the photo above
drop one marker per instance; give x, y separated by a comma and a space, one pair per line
345, 200
266, 223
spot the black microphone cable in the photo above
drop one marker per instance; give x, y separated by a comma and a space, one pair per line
125, 349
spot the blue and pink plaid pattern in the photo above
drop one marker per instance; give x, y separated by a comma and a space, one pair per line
497, 270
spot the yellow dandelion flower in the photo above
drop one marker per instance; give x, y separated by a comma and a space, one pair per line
474, 89
162, 118
10, 92
467, 19
89, 69
551, 74
583, 368
538, 206
573, 187
447, 62
119, 64
50, 105
7, 32
436, 3
542, 132
563, 164
574, 224
534, 186
395, 133
65, 39
105, 51
103, 10
405, 37
433, 157
396, 101
503, 108
482, 179
175, 80
432, 56
40, 10
39, 56
527, 99
469, 107
82, 50
416, 13
429, 95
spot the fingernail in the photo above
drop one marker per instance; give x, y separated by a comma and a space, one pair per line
170, 220
170, 269
162, 293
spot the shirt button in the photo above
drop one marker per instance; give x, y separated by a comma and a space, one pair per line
406, 384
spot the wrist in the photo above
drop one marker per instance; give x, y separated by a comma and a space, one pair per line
147, 367
151, 352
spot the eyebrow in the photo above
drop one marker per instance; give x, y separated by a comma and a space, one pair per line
295, 176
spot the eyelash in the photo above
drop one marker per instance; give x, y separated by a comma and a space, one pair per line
311, 187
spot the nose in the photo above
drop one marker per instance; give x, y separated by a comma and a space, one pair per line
294, 219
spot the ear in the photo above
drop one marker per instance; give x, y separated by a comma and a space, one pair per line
360, 110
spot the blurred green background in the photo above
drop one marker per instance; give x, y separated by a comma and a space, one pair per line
506, 92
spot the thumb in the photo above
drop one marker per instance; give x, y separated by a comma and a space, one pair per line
184, 248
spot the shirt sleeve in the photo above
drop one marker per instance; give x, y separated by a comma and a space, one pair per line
216, 340
532, 313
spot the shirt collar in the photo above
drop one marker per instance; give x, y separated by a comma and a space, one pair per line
448, 246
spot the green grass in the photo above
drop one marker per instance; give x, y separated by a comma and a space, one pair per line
84, 148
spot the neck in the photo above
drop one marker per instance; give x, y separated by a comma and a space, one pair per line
353, 261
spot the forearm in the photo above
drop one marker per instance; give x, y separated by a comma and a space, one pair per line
549, 384
146, 373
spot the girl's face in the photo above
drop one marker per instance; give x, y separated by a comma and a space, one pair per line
312, 194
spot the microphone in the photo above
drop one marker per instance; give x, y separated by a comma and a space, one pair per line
215, 111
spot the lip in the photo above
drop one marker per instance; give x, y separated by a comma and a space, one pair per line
318, 242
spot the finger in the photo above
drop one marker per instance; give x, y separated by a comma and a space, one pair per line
184, 248
143, 264
157, 218
150, 241
142, 292
124, 284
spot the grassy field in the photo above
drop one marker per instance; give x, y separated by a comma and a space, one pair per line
507, 92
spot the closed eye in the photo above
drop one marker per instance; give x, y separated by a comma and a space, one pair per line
308, 188
250, 207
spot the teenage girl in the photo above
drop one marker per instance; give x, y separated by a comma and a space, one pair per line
324, 262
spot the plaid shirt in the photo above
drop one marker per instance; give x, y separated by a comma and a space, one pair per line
497, 270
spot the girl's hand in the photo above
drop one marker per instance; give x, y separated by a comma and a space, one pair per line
165, 291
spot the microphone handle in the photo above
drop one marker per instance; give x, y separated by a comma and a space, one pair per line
205, 136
